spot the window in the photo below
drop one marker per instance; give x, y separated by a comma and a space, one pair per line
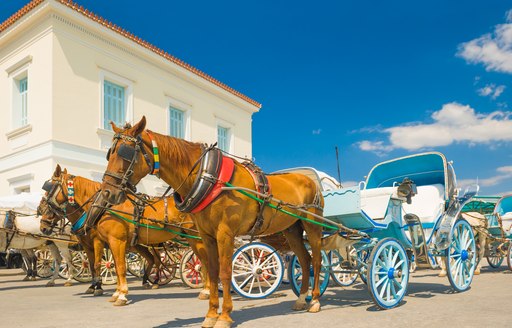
113, 105
176, 123
223, 138
20, 103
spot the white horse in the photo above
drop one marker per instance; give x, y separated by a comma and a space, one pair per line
22, 238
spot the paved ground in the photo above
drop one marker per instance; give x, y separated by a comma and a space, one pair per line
429, 303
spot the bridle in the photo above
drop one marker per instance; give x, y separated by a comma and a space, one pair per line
130, 154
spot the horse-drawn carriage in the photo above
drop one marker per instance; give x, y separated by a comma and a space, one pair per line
407, 211
491, 218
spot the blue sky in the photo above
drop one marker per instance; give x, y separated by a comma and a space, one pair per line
377, 79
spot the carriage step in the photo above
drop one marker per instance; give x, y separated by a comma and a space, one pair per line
419, 246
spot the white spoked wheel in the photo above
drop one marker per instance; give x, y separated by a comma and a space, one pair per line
341, 269
108, 268
81, 264
461, 256
509, 256
257, 270
135, 264
495, 260
190, 268
388, 273
45, 263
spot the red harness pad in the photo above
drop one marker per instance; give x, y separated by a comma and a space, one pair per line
226, 172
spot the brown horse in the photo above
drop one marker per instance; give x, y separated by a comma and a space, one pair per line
229, 215
117, 231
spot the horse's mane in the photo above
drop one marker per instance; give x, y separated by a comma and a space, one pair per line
180, 149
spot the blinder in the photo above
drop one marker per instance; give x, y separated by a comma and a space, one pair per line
48, 186
126, 152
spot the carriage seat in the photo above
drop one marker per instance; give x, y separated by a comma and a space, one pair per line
506, 220
428, 204
374, 202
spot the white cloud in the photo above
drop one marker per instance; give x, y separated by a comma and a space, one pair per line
494, 50
491, 90
453, 123
317, 131
503, 173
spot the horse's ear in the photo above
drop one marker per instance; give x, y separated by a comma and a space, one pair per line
65, 171
115, 128
57, 171
139, 127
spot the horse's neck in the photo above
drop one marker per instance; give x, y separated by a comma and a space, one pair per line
84, 190
177, 157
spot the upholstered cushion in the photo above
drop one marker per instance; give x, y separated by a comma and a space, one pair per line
428, 204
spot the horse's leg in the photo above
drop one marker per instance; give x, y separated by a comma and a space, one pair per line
54, 250
225, 245
212, 315
150, 261
66, 253
294, 237
118, 249
99, 246
33, 261
314, 233
28, 264
482, 241
200, 251
90, 257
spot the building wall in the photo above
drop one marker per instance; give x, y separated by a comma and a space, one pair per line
68, 56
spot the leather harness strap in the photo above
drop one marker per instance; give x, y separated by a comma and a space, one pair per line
263, 187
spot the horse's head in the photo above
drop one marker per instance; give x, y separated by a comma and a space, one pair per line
52, 206
129, 160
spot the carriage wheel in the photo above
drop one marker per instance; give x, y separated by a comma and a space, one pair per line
388, 273
135, 264
509, 256
295, 276
81, 264
166, 269
363, 270
461, 256
495, 260
341, 270
45, 263
108, 268
190, 270
257, 270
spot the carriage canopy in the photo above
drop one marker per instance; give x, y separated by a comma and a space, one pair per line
423, 169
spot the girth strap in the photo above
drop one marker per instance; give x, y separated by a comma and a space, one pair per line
262, 187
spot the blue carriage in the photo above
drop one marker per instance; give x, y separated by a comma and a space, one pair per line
408, 211
491, 217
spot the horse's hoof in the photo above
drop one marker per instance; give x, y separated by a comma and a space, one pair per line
98, 292
155, 286
204, 295
146, 285
32, 278
299, 306
50, 284
442, 274
27, 278
89, 290
477, 272
113, 298
68, 284
223, 324
209, 322
315, 307
120, 302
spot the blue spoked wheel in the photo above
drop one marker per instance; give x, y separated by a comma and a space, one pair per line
295, 276
388, 273
461, 256
341, 268
257, 270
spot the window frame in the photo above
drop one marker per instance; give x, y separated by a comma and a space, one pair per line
231, 133
128, 96
187, 112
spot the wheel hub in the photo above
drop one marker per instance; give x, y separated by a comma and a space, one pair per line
391, 273
464, 255
197, 267
257, 271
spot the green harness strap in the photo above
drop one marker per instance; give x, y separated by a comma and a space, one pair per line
325, 225
152, 227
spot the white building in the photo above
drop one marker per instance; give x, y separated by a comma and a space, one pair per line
65, 72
